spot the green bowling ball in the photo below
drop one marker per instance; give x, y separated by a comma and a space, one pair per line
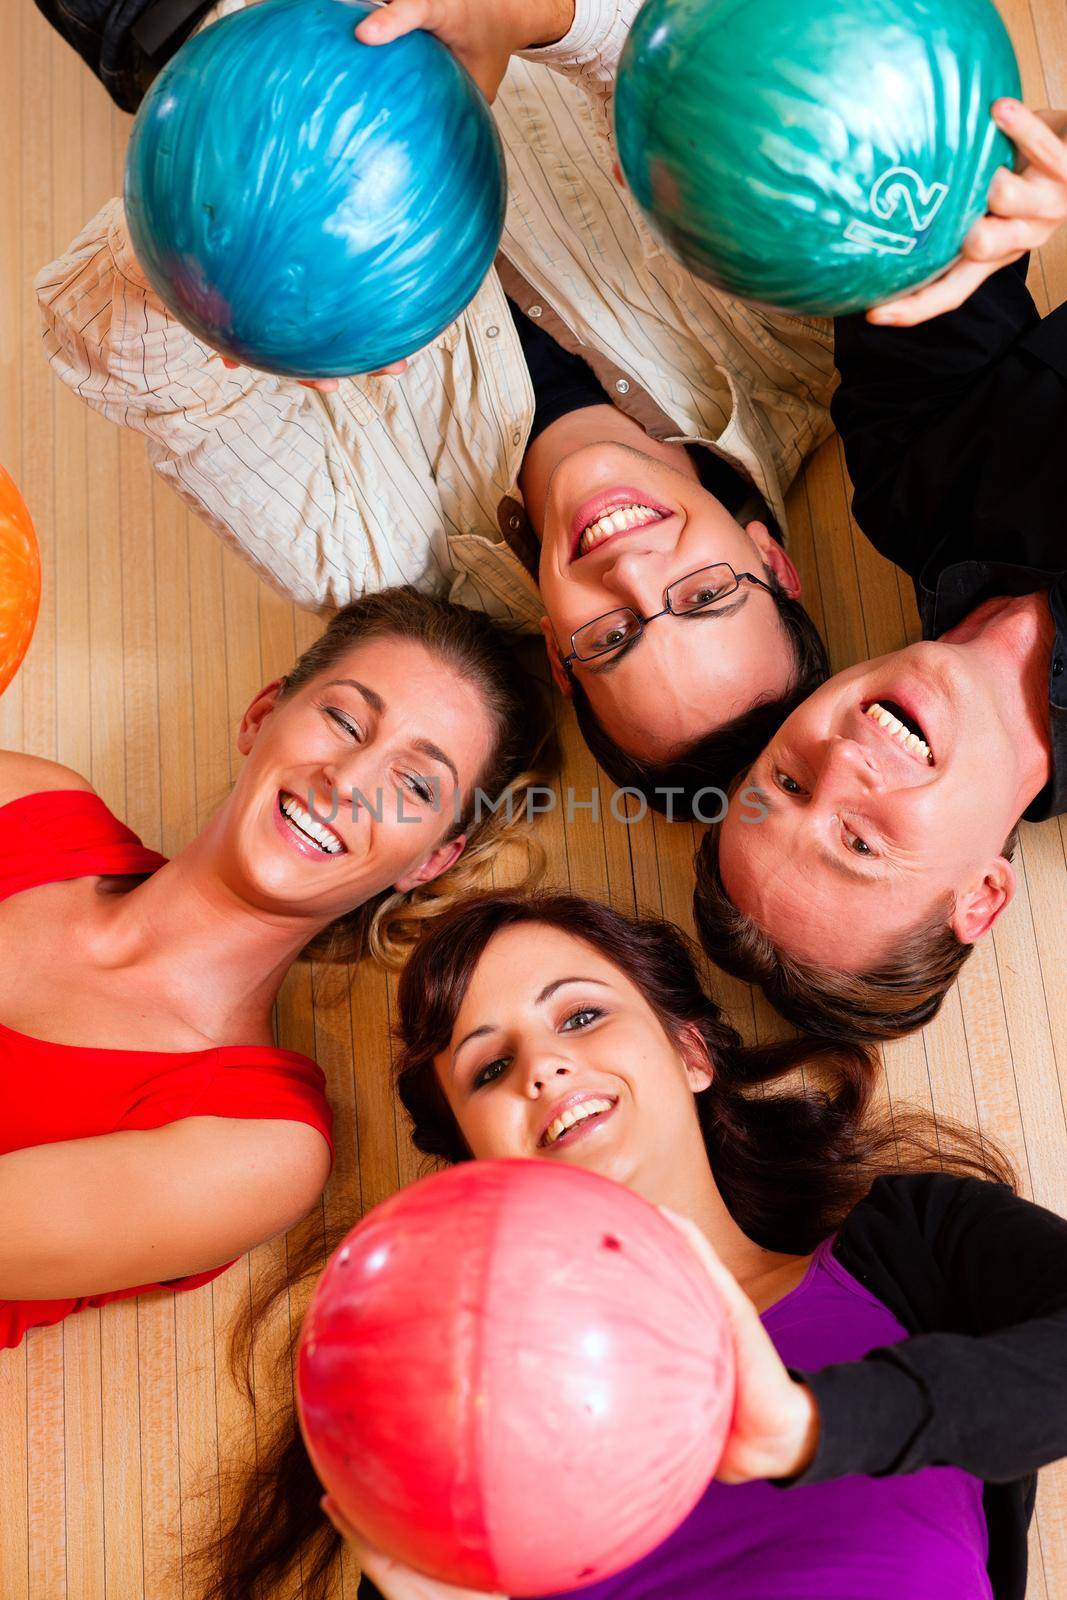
818, 156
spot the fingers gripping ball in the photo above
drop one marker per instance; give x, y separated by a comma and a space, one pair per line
515, 1377
308, 204
20, 579
820, 156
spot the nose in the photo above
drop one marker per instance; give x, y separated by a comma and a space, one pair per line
633, 576
542, 1070
847, 770
344, 775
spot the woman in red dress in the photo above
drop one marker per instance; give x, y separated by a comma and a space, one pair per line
150, 1129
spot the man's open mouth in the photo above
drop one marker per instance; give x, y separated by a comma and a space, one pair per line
605, 516
902, 726
622, 521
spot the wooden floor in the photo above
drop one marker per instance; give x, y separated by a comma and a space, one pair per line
151, 641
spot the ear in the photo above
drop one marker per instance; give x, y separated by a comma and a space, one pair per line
257, 714
978, 908
560, 676
699, 1069
775, 557
438, 861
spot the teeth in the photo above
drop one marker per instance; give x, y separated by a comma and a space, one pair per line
574, 1115
901, 734
635, 516
316, 831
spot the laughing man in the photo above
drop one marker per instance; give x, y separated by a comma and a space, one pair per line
894, 791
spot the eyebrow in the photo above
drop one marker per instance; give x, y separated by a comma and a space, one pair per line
709, 614
371, 696
546, 994
827, 857
425, 747
550, 988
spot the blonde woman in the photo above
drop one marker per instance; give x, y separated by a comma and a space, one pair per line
150, 1129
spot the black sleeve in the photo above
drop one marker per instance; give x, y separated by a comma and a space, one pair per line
982, 1276
368, 1590
897, 384
125, 42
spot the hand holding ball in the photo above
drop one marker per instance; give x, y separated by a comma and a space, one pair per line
515, 1377
308, 204
818, 156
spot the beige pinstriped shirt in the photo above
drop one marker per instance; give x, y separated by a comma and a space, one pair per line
413, 479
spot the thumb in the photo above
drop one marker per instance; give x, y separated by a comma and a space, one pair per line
388, 22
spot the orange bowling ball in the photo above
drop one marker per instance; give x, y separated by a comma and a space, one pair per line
20, 579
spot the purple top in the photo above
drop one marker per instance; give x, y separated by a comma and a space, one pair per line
853, 1538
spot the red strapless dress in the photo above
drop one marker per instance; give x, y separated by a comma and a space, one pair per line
50, 1092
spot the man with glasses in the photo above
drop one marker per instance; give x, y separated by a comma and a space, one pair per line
672, 619
596, 418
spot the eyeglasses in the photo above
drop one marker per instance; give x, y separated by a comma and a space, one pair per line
697, 591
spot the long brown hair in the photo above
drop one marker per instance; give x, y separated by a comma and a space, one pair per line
471, 645
791, 1157
903, 992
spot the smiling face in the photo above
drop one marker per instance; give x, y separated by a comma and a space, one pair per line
351, 781
890, 791
619, 527
556, 1056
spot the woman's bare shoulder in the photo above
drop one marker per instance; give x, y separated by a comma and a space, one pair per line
21, 775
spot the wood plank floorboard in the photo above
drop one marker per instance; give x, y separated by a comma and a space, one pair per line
152, 640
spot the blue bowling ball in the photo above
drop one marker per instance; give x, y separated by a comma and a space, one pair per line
820, 156
308, 204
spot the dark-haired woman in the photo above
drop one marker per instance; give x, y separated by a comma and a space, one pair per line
150, 1130
923, 1314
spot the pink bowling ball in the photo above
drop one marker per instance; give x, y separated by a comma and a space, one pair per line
515, 1376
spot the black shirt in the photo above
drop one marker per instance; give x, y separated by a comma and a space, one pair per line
955, 434
979, 1279
125, 42
563, 382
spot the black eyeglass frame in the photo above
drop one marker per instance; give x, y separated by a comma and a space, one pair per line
668, 609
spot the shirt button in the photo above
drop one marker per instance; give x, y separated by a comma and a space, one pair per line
1057, 666
491, 333
514, 521
622, 386
535, 311
516, 436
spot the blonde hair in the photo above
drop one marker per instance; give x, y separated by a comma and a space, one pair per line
469, 644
